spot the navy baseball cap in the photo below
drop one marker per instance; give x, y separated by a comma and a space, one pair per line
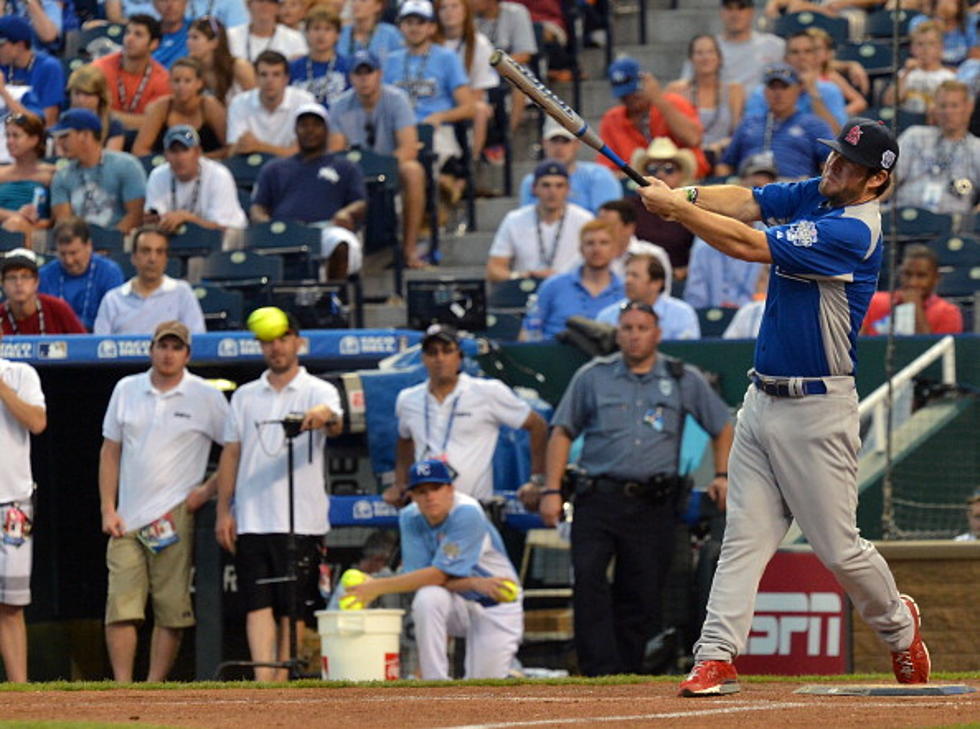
183, 134
549, 167
364, 57
15, 29
624, 75
867, 142
780, 72
419, 8
431, 470
442, 333
19, 258
77, 120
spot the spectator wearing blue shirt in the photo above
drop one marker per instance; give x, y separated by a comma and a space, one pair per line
174, 25
323, 71
367, 32
318, 188
432, 76
23, 66
645, 278
820, 98
584, 291
78, 275
455, 561
789, 136
46, 17
591, 183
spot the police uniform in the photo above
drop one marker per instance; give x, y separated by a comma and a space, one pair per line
626, 504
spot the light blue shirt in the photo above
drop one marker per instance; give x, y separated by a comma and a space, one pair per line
99, 193
229, 12
678, 319
833, 99
385, 39
590, 184
123, 311
429, 79
714, 279
562, 296
392, 113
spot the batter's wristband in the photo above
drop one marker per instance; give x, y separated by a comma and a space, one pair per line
692, 194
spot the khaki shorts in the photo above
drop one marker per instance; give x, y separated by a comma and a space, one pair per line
135, 572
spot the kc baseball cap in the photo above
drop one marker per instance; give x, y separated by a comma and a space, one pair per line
421, 8
172, 329
780, 72
553, 129
364, 57
183, 134
313, 108
624, 75
429, 471
549, 167
18, 258
440, 332
15, 29
77, 120
867, 142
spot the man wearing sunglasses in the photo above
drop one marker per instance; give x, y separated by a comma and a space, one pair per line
795, 451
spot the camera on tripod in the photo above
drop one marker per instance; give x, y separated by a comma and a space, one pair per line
292, 424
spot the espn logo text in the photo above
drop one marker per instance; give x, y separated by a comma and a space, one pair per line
780, 617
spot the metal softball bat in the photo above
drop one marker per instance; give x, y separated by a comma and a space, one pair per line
557, 109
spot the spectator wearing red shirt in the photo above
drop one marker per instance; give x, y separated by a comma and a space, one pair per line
134, 78
26, 311
646, 112
918, 277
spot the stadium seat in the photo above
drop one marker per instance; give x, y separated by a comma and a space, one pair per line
242, 269
876, 58
961, 282
905, 120
315, 306
223, 309
245, 168
881, 23
295, 244
957, 250
917, 224
174, 269
499, 132
513, 294
714, 320
462, 130
97, 41
794, 22
192, 239
150, 161
68, 65
10, 240
381, 179
503, 326
427, 157
107, 241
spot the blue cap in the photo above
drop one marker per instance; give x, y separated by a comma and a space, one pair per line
181, 134
77, 119
549, 167
15, 29
624, 75
780, 72
364, 57
429, 471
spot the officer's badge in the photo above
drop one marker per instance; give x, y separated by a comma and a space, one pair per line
666, 387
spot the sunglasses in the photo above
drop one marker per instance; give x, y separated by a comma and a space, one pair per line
370, 133
667, 168
637, 306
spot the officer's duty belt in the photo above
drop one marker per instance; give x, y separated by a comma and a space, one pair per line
789, 386
656, 487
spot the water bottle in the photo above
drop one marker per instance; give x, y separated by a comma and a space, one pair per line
39, 200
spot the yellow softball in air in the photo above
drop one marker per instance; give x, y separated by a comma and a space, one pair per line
268, 323
507, 591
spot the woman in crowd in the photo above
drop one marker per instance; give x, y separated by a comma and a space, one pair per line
188, 104
959, 25
293, 12
88, 89
457, 32
24, 201
367, 31
831, 70
224, 75
719, 105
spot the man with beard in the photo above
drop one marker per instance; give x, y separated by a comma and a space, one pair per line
796, 441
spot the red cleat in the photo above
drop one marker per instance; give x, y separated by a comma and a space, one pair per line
912, 665
710, 678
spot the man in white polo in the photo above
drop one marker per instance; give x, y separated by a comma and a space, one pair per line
157, 436
22, 412
261, 120
253, 488
456, 418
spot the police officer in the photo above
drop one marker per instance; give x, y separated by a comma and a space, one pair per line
631, 408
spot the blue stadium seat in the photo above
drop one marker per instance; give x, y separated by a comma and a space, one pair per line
714, 320
917, 224
245, 168
10, 240
174, 269
961, 282
150, 161
191, 239
906, 119
223, 309
881, 23
107, 241
503, 326
297, 245
513, 294
242, 269
876, 58
957, 250
794, 22
92, 40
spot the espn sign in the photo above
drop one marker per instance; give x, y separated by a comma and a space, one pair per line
800, 623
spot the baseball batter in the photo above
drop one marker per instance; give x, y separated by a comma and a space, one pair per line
796, 438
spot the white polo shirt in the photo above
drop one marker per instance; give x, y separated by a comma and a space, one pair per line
16, 481
277, 127
557, 247
166, 438
212, 195
123, 311
261, 492
242, 44
464, 427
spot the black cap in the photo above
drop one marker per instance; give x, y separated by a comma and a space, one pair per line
867, 142
440, 332
18, 258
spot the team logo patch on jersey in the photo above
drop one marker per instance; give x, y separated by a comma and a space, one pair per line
329, 174
803, 234
853, 135
451, 550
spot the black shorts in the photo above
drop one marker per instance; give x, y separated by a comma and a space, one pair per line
263, 556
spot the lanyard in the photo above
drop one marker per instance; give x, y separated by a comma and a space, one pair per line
40, 319
411, 84
89, 282
331, 65
121, 87
89, 204
195, 193
546, 258
449, 423
248, 42
11, 70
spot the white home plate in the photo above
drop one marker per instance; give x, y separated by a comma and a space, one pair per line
885, 689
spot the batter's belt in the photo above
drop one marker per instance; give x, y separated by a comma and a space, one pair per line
800, 386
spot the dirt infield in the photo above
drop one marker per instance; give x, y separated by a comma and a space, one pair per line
651, 704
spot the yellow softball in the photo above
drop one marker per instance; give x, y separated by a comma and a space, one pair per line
268, 323
353, 578
351, 602
507, 591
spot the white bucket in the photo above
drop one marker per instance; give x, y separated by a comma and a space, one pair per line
359, 645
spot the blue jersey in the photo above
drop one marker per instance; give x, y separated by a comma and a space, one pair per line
326, 80
429, 79
83, 292
46, 78
465, 544
825, 270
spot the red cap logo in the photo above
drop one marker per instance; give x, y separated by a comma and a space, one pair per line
853, 135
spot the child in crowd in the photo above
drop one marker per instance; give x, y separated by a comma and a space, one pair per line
323, 71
